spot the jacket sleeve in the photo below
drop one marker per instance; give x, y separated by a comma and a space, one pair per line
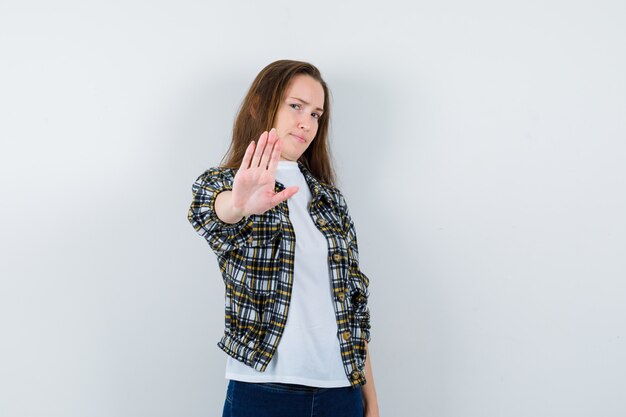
222, 237
355, 271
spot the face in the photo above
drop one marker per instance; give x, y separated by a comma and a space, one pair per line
298, 116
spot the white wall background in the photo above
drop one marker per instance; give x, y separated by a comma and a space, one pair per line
480, 145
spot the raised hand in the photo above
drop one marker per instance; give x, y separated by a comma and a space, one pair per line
253, 185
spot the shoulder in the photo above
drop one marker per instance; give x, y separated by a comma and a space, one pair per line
336, 196
217, 173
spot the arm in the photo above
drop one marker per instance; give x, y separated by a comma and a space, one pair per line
356, 274
369, 389
225, 209
370, 399
222, 236
222, 202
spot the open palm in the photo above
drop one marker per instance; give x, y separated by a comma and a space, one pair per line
253, 185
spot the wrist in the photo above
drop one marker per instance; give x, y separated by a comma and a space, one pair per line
371, 409
238, 211
225, 209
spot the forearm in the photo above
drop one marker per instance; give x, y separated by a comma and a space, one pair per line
225, 210
369, 389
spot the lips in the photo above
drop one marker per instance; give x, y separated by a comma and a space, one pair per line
299, 138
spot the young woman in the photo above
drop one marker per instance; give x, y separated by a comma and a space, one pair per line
297, 322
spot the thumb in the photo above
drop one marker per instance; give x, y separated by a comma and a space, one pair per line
285, 194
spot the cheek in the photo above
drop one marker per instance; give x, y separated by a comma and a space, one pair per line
285, 142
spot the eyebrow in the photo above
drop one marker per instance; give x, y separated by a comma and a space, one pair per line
321, 110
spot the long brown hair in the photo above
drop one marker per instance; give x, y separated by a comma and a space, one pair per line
258, 111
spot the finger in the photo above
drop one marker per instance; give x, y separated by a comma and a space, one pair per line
259, 150
275, 157
285, 194
245, 162
271, 139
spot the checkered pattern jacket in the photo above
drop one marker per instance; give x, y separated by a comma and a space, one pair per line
256, 258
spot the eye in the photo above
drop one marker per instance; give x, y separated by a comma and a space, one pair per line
297, 106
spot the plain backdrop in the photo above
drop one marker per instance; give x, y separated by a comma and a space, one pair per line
480, 146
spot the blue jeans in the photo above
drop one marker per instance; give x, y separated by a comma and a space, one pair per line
273, 399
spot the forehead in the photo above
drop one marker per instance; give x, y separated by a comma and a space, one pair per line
306, 88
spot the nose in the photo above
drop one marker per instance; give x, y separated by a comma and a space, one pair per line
303, 123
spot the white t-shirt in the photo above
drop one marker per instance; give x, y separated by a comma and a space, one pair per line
308, 352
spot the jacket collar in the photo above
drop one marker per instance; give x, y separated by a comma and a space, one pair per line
319, 190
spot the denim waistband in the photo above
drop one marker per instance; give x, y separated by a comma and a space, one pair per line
283, 386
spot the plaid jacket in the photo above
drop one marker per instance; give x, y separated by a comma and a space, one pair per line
256, 258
